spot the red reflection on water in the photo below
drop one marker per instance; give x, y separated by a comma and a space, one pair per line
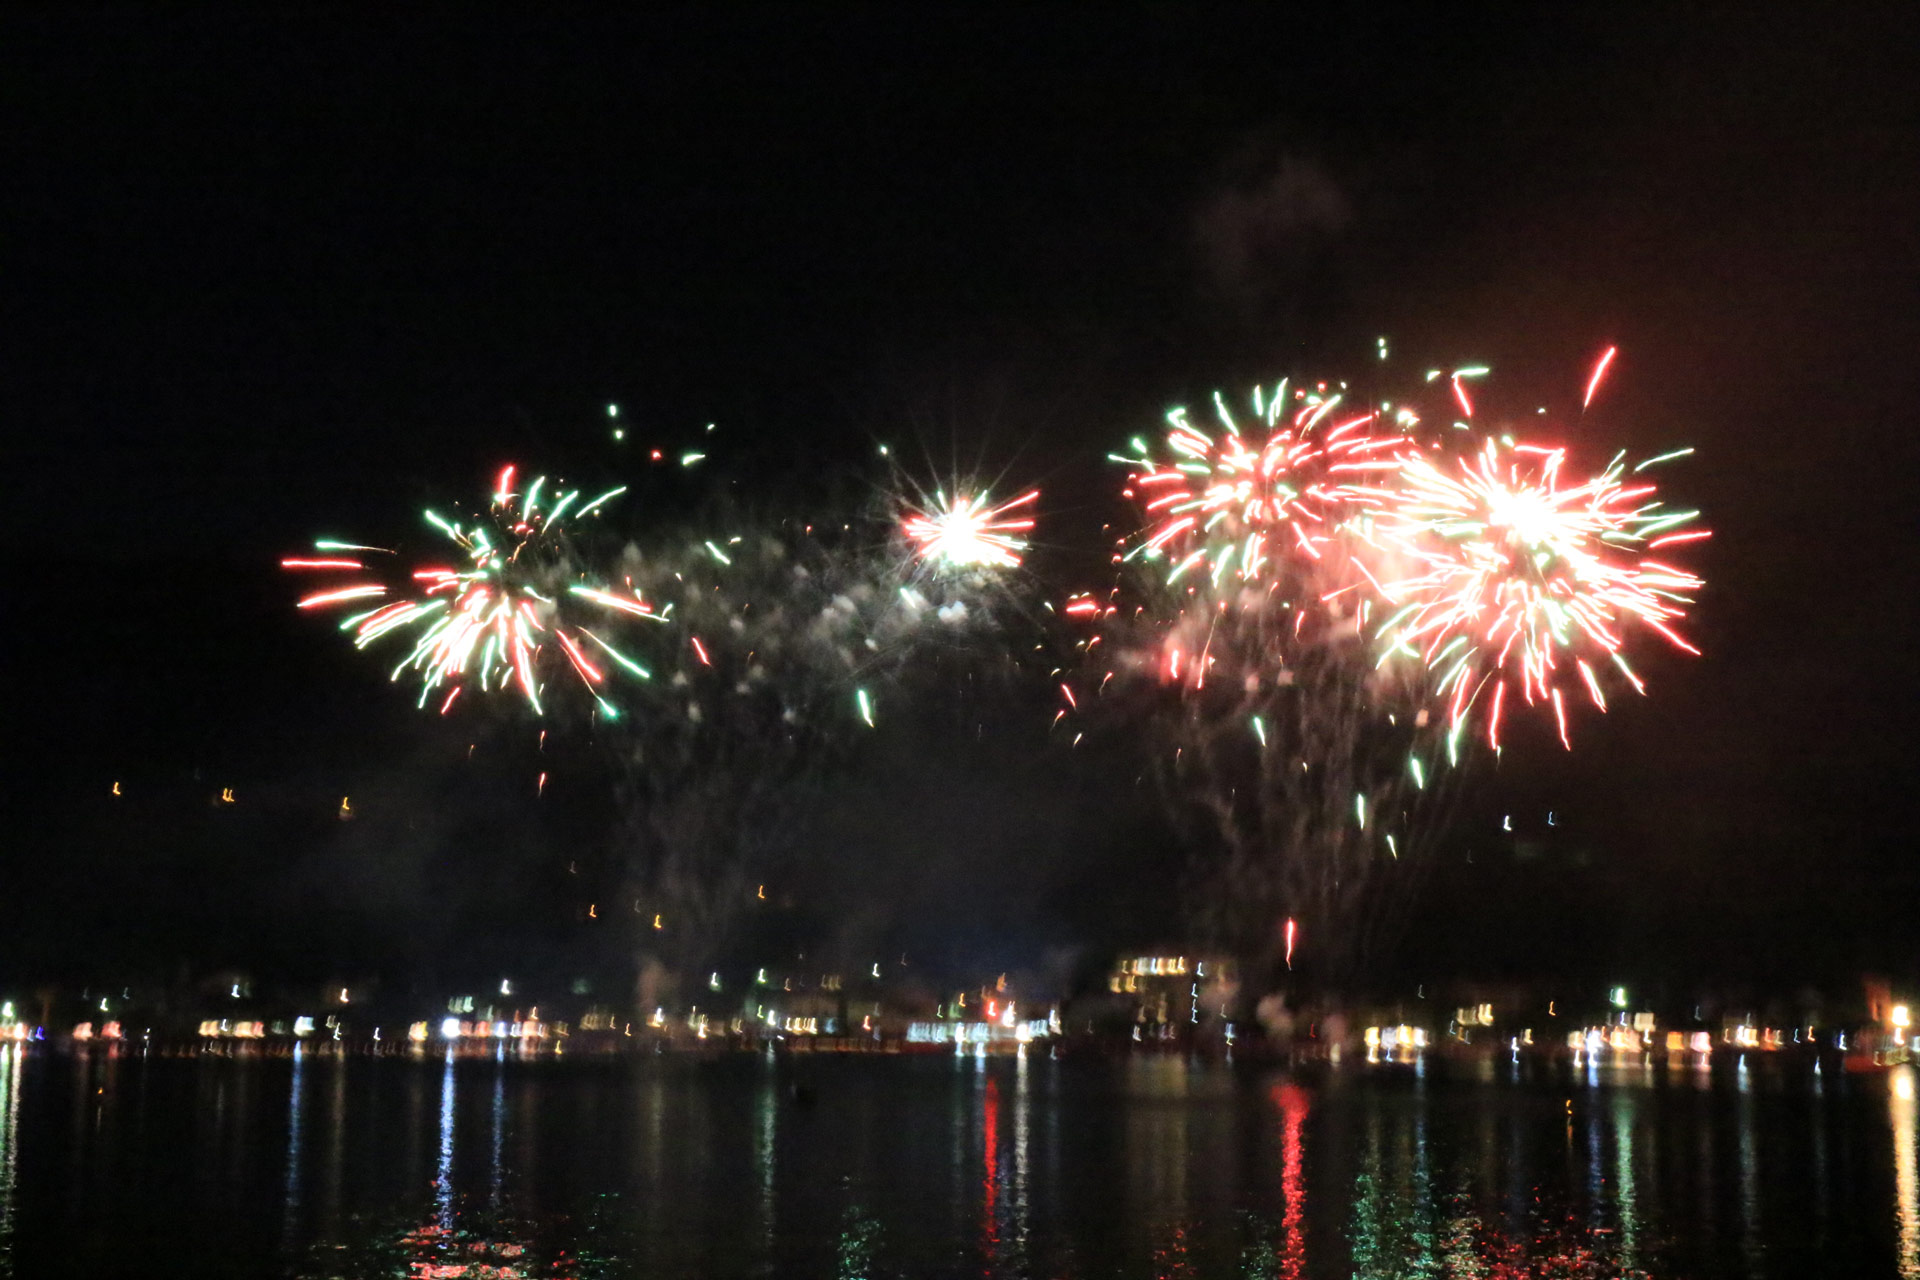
990, 1123
1556, 1248
440, 1254
1293, 1102
1171, 1262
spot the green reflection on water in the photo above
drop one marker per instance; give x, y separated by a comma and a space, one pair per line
859, 1235
1394, 1231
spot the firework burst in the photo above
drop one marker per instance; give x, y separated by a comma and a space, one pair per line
1520, 579
496, 617
1221, 501
967, 530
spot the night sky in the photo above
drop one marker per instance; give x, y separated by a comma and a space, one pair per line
270, 279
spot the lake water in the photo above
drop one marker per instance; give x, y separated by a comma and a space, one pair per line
119, 1165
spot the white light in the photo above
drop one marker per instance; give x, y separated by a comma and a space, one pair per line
450, 1028
506, 987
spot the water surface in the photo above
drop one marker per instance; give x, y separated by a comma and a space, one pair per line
115, 1164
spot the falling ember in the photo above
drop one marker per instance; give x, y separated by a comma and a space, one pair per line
1292, 933
1599, 372
292, 563
345, 593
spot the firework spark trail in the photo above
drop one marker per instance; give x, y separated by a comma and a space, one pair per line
1313, 612
799, 647
1267, 721
491, 619
969, 530
1301, 764
832, 620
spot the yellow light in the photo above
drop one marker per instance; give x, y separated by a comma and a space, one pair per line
1901, 1017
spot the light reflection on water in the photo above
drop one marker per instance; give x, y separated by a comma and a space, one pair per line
10, 1056
443, 1173
1906, 1173
947, 1166
296, 1117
